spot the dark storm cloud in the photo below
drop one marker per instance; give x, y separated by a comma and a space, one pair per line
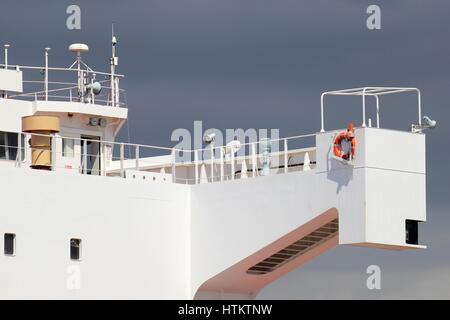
263, 64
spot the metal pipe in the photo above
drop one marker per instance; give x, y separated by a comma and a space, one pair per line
84, 156
53, 150
212, 161
254, 159
285, 156
364, 107
221, 164
46, 73
19, 150
137, 157
6, 46
378, 111
419, 105
322, 126
113, 67
196, 166
174, 176
80, 77
232, 165
122, 158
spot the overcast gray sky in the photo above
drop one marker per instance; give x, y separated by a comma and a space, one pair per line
263, 64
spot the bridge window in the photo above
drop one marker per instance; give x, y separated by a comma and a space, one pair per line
68, 147
8, 145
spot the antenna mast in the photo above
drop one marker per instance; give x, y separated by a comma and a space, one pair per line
114, 63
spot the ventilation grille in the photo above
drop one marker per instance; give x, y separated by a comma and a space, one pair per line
296, 249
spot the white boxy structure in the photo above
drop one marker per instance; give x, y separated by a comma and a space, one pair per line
85, 217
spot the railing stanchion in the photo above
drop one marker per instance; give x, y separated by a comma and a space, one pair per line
84, 156
53, 153
137, 156
254, 159
122, 158
19, 150
221, 164
232, 164
212, 162
196, 166
102, 158
174, 177
285, 156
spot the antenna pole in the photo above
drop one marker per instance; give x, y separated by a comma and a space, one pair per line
80, 80
6, 46
46, 73
113, 67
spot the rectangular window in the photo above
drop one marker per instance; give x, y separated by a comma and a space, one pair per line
75, 249
68, 147
412, 232
12, 145
2, 145
8, 145
10, 244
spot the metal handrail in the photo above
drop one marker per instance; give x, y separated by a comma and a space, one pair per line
153, 161
369, 91
46, 83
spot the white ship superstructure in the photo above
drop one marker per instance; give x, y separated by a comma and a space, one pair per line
84, 216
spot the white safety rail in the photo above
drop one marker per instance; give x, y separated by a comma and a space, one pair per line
152, 163
250, 159
56, 84
375, 92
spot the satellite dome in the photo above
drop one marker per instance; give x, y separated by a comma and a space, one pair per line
78, 47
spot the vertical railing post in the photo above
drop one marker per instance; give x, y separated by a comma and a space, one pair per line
174, 174
212, 162
285, 156
53, 153
196, 166
221, 164
419, 106
254, 159
364, 107
122, 158
378, 111
6, 47
102, 159
137, 156
232, 164
84, 156
19, 150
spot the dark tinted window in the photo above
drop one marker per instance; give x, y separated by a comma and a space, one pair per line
10, 242
75, 249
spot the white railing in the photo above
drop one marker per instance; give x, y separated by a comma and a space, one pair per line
375, 92
63, 90
134, 161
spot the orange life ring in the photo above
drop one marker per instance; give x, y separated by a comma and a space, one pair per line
347, 136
